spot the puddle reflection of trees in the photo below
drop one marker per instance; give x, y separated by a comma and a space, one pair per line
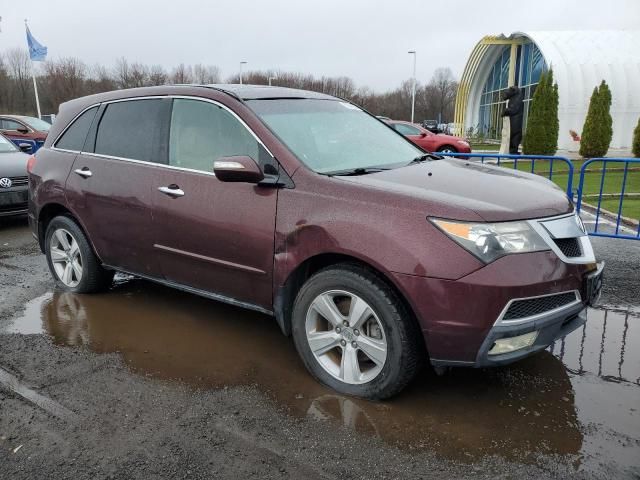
601, 346
516, 412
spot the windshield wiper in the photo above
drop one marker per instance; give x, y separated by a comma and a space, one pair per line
355, 171
424, 157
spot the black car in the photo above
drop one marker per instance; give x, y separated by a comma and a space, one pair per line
13, 179
431, 125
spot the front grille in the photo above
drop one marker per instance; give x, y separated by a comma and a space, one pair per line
535, 306
570, 247
19, 181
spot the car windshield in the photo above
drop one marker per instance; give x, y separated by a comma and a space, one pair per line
36, 123
333, 136
6, 145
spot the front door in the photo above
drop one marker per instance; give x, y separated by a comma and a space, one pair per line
212, 235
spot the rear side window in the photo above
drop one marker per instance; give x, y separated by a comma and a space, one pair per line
73, 138
130, 129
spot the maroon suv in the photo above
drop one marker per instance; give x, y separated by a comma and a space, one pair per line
371, 253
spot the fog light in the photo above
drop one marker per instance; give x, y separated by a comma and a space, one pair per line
511, 344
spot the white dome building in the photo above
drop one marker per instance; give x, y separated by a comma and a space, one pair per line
580, 61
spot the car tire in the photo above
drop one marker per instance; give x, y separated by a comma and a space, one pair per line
447, 149
373, 355
71, 259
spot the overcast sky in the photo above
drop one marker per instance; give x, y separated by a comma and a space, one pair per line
366, 40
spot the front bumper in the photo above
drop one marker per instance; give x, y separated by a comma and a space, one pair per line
14, 201
549, 327
459, 318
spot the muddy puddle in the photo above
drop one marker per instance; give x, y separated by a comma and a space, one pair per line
580, 399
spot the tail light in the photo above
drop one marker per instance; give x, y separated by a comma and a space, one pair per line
30, 163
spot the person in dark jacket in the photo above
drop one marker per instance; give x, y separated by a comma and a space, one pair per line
514, 111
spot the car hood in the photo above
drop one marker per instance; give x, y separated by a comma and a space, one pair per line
493, 193
13, 164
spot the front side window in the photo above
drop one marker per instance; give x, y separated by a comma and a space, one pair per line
6, 145
74, 137
406, 129
131, 129
10, 124
36, 123
202, 132
331, 136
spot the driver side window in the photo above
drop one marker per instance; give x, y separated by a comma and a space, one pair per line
406, 129
202, 132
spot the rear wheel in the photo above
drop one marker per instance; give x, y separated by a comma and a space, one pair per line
71, 260
447, 149
354, 334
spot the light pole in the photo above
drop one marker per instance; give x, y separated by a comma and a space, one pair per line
241, 64
272, 78
413, 85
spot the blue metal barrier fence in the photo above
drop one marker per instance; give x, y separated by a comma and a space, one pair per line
515, 159
619, 231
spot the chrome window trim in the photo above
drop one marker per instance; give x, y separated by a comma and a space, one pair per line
588, 256
518, 321
144, 162
184, 97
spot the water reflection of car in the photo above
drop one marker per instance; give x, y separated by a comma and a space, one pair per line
204, 344
430, 141
22, 127
13, 179
371, 253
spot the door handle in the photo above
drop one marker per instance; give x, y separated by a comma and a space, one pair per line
172, 190
83, 172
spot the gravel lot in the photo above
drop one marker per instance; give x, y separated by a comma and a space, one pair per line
146, 382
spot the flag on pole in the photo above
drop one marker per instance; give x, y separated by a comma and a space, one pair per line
37, 51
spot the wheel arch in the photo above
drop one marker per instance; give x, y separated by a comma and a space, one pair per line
51, 210
286, 294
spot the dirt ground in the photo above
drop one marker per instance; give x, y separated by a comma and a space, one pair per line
146, 382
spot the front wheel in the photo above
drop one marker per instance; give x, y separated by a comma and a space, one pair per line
354, 334
71, 260
447, 149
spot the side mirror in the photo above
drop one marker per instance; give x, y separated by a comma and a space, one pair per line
22, 130
423, 134
240, 168
26, 147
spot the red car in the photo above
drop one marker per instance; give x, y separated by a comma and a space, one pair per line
372, 254
20, 127
430, 141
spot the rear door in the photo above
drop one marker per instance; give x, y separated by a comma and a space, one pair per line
214, 236
110, 186
10, 128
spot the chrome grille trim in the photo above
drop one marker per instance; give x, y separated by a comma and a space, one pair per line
516, 321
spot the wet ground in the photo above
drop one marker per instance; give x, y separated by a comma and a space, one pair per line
572, 410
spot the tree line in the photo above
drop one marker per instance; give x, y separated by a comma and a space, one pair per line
66, 78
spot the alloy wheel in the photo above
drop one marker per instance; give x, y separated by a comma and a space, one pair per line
66, 257
346, 337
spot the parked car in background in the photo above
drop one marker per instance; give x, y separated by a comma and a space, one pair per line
431, 125
372, 254
430, 141
20, 127
13, 179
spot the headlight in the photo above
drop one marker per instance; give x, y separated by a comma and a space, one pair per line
463, 142
489, 241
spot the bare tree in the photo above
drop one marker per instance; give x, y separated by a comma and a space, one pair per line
64, 79
182, 74
206, 74
157, 75
19, 69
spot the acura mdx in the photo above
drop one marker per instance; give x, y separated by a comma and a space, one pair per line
373, 254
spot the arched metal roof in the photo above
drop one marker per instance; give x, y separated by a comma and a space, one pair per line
580, 61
